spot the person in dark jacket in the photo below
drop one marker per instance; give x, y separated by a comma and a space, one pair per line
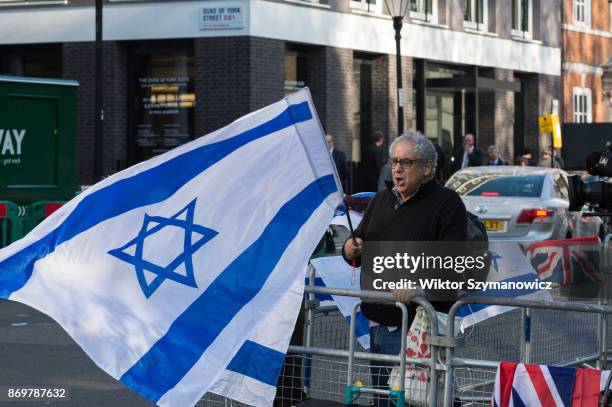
493, 156
373, 161
339, 160
469, 155
417, 208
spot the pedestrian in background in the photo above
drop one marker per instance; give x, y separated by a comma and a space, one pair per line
520, 161
528, 157
545, 159
469, 155
373, 161
494, 156
339, 160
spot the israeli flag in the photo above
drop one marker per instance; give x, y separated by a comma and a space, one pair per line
184, 273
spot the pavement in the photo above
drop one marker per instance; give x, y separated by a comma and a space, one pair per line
35, 352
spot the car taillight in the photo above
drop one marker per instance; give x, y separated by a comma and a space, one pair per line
529, 215
3, 210
51, 207
490, 194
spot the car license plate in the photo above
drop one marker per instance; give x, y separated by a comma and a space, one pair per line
494, 225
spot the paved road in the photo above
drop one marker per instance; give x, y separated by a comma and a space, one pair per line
37, 352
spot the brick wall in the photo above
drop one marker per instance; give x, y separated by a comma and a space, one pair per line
267, 71
384, 114
235, 76
539, 91
583, 80
115, 107
330, 78
79, 64
504, 117
586, 48
222, 75
407, 77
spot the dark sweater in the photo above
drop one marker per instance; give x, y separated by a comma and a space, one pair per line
434, 213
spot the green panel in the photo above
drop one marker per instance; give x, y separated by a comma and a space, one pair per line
37, 138
34, 145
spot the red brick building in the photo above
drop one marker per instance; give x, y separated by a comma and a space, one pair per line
587, 48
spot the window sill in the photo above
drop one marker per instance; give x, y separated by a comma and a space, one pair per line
520, 38
309, 3
373, 13
428, 23
587, 30
480, 32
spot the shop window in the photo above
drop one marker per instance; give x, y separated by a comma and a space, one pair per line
164, 99
39, 61
475, 14
296, 75
522, 14
583, 105
582, 12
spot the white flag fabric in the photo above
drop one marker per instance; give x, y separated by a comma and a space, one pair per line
510, 265
169, 274
335, 273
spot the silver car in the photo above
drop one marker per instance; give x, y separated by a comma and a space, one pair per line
517, 203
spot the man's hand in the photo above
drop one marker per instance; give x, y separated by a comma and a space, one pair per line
352, 250
407, 295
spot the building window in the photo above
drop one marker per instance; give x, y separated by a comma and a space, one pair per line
41, 61
583, 105
163, 91
372, 6
475, 14
582, 12
522, 14
296, 65
424, 10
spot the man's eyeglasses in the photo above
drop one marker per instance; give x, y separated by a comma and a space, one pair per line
405, 163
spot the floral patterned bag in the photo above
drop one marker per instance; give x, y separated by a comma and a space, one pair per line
417, 378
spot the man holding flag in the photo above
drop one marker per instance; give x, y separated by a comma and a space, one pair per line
167, 280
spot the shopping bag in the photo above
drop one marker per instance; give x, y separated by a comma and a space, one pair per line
416, 383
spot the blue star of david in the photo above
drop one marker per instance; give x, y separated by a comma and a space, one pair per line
152, 225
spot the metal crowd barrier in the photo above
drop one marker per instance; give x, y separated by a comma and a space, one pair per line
450, 363
475, 388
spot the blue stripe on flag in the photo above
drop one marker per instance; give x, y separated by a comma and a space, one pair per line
362, 324
151, 186
469, 309
174, 354
258, 362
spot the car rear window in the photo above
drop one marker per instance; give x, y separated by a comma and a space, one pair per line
527, 186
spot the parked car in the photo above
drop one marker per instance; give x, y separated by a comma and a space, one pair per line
521, 203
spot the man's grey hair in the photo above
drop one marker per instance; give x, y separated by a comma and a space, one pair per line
422, 146
491, 148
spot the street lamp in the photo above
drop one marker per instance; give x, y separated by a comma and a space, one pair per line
397, 10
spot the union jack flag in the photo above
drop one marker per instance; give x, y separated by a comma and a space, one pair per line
566, 261
520, 385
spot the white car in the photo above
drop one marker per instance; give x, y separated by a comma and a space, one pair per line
519, 203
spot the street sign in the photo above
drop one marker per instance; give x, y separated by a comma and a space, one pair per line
549, 124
